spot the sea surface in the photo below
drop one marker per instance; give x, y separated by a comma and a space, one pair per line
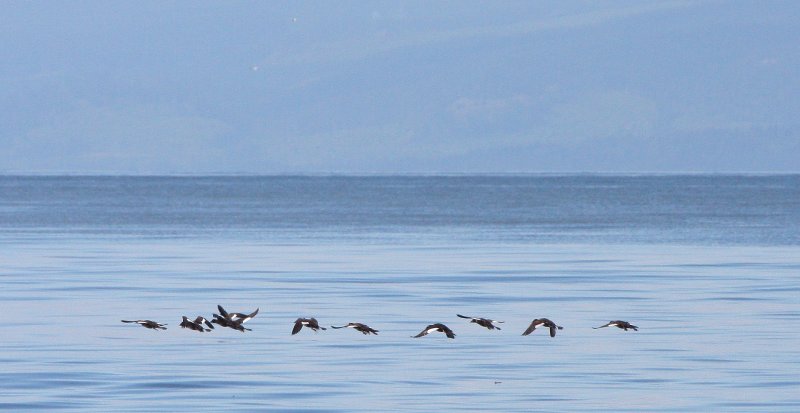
708, 267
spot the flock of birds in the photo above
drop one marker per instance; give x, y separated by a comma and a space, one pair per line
236, 321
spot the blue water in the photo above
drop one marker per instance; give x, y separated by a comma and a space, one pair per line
707, 266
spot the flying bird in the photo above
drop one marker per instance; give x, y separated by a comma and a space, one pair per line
542, 322
147, 324
483, 322
200, 320
196, 325
434, 328
619, 324
359, 327
238, 317
227, 322
307, 322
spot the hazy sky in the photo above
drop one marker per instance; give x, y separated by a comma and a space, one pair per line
399, 86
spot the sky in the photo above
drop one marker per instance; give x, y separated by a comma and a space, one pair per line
252, 87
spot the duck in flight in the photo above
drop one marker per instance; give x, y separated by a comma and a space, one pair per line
197, 324
147, 324
542, 322
483, 322
307, 322
227, 322
619, 324
434, 328
233, 320
359, 327
237, 317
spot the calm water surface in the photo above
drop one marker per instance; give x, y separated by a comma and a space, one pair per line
707, 266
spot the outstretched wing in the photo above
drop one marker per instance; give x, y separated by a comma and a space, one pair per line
423, 332
222, 312
463, 316
298, 324
531, 327
248, 317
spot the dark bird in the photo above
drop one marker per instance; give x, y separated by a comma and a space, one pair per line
308, 322
147, 324
238, 317
619, 324
226, 322
194, 325
434, 328
200, 320
543, 322
483, 322
359, 327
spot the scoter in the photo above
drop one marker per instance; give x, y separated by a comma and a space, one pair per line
147, 324
434, 328
200, 320
365, 329
226, 322
483, 322
238, 317
307, 322
619, 324
195, 325
542, 322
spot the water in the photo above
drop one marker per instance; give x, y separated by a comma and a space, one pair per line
707, 266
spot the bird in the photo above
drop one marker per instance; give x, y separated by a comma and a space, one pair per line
365, 329
238, 317
147, 324
619, 324
200, 320
436, 327
226, 322
483, 322
194, 325
542, 322
308, 322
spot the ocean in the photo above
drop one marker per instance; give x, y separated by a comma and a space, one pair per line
707, 266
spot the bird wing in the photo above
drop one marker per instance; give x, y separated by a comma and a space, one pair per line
604, 325
531, 327
463, 316
223, 312
297, 326
423, 332
250, 316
